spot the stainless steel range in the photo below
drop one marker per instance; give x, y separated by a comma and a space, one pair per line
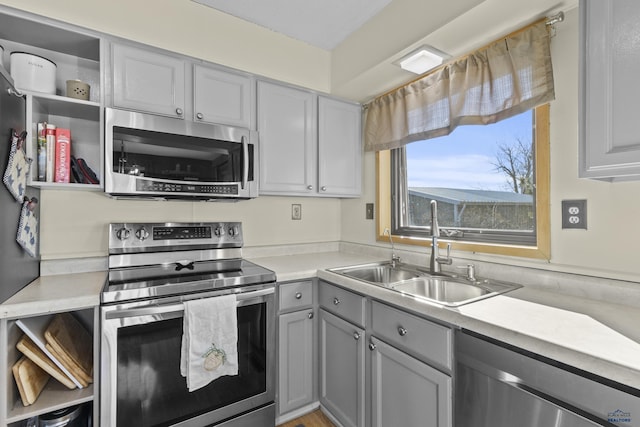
153, 269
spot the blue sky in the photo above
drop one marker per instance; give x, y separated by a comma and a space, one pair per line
464, 158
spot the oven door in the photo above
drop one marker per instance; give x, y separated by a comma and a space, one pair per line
160, 157
141, 383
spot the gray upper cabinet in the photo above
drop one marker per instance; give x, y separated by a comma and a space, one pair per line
221, 97
310, 145
147, 81
339, 147
288, 141
609, 69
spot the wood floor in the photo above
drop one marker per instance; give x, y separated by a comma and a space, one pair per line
314, 419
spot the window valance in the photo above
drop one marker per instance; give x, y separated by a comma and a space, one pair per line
507, 77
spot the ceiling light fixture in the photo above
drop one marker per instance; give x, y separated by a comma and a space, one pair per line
422, 59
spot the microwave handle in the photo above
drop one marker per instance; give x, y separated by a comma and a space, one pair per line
245, 162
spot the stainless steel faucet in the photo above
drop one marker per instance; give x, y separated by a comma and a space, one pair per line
394, 258
436, 259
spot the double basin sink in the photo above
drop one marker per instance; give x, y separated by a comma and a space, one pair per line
440, 288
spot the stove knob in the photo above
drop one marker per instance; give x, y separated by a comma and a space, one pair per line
233, 231
123, 233
142, 233
219, 231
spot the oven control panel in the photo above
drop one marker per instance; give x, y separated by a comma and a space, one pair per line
148, 237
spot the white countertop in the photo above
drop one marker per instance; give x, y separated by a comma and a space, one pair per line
595, 336
598, 337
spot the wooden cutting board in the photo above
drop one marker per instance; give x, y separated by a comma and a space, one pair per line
30, 379
33, 352
71, 341
34, 328
70, 365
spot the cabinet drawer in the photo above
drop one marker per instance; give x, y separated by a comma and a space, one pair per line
346, 304
428, 341
295, 295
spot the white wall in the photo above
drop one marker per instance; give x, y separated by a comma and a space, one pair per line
610, 247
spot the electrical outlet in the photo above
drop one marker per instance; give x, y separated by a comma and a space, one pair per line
369, 211
574, 214
296, 211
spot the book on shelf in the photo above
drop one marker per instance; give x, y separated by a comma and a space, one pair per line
50, 138
63, 156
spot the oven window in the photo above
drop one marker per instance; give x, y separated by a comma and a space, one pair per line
151, 391
178, 158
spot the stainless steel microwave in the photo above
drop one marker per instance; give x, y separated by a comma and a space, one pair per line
156, 157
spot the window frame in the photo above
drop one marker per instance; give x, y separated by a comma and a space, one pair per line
542, 248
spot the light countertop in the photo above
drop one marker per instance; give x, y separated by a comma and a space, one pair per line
595, 336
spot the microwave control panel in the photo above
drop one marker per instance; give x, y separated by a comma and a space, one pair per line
148, 185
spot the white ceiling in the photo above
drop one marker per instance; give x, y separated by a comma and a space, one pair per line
321, 23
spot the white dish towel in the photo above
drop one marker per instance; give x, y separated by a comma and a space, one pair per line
209, 340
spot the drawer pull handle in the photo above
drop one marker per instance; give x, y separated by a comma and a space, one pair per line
356, 336
298, 295
402, 331
372, 346
310, 315
336, 301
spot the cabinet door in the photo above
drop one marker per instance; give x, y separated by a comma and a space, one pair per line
287, 140
407, 392
609, 69
296, 349
221, 97
339, 148
342, 370
148, 81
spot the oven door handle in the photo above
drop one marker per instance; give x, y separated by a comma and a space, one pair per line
170, 311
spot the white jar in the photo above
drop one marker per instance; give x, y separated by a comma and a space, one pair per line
33, 72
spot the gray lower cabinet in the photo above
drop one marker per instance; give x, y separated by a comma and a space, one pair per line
406, 391
342, 369
399, 375
295, 374
297, 349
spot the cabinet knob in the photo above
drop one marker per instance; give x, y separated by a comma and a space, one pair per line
372, 346
336, 301
179, 111
200, 116
402, 331
298, 295
356, 336
323, 188
309, 187
310, 315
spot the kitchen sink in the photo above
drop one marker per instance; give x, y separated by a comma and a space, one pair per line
448, 290
379, 273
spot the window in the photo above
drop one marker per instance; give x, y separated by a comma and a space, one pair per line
491, 184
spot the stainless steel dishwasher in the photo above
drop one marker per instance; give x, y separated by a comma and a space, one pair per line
498, 385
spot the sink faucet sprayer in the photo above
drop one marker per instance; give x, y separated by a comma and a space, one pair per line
394, 258
436, 259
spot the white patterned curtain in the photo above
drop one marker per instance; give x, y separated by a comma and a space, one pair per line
505, 78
